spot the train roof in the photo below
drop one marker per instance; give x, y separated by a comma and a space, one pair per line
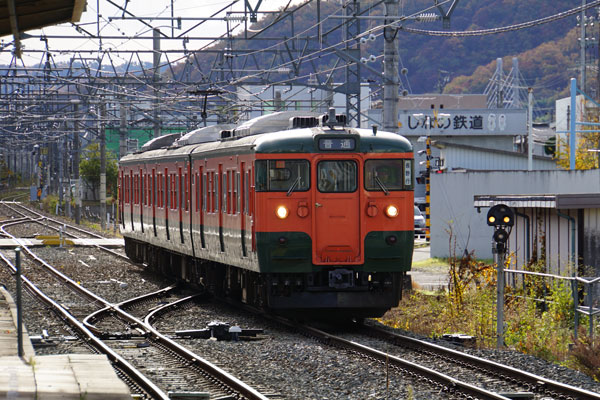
289, 141
271, 134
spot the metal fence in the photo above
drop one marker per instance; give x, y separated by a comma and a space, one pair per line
590, 286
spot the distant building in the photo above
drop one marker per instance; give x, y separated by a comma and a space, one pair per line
257, 100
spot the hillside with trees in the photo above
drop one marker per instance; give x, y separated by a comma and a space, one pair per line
466, 59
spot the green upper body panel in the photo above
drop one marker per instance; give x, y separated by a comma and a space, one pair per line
288, 141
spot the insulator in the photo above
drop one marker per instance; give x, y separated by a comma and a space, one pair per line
363, 40
427, 17
241, 18
372, 58
363, 60
372, 37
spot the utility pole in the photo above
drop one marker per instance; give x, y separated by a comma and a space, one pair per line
428, 189
156, 79
390, 69
122, 130
76, 146
60, 171
352, 71
530, 136
102, 138
582, 48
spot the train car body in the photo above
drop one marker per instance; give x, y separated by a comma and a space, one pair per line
307, 219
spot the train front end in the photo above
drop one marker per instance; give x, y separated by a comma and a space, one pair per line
334, 224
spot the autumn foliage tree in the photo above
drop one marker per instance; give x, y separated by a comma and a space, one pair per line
89, 168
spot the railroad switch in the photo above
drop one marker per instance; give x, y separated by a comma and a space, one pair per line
460, 338
217, 330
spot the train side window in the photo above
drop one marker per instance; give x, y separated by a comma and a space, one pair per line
205, 188
237, 193
229, 196
247, 191
186, 200
216, 193
153, 188
281, 175
136, 190
388, 174
224, 191
337, 176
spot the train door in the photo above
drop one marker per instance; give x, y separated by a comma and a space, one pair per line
141, 198
223, 205
153, 200
167, 201
336, 226
202, 187
243, 209
131, 191
251, 198
182, 199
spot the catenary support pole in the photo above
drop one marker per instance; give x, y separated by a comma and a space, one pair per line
573, 123
19, 304
530, 135
102, 138
76, 145
390, 70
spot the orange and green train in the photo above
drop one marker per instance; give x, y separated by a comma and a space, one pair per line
284, 212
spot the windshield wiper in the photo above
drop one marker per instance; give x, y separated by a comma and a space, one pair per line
381, 185
296, 182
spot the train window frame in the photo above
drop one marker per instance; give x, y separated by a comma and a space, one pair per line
371, 185
216, 193
263, 181
331, 186
204, 190
237, 193
224, 192
247, 192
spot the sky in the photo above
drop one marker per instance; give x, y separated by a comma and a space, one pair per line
131, 34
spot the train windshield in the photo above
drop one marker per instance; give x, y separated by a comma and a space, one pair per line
282, 175
337, 176
386, 175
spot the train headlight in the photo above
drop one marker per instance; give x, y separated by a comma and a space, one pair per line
282, 212
391, 211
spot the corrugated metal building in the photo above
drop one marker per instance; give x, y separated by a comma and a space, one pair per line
558, 216
463, 156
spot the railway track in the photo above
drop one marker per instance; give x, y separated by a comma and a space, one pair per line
538, 386
179, 368
388, 350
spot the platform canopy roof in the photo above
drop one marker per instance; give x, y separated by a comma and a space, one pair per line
17, 16
559, 201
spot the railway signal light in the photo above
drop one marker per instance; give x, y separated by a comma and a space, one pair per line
502, 218
500, 215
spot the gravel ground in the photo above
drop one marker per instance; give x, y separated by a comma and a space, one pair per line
286, 363
292, 365
518, 360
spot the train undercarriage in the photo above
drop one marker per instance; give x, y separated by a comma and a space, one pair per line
333, 292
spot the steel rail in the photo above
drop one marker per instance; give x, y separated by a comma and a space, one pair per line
232, 382
90, 320
536, 381
115, 358
449, 383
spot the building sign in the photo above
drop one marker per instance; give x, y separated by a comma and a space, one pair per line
463, 122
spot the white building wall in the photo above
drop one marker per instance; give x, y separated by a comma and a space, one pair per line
457, 157
452, 202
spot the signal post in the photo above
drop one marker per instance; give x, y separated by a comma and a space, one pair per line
502, 218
